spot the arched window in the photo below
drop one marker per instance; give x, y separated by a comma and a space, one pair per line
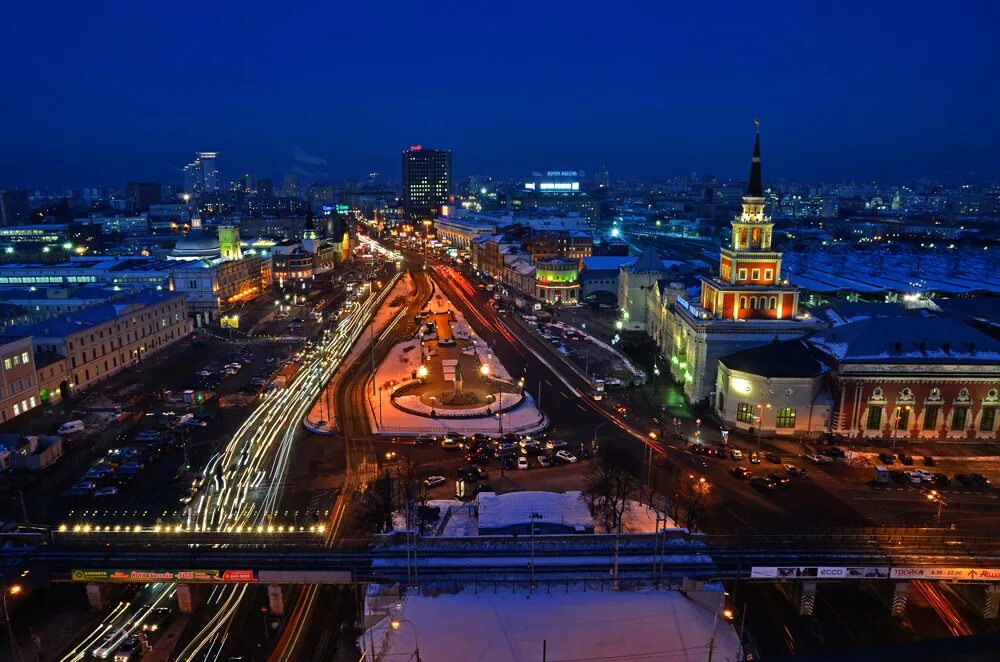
753, 302
743, 302
774, 303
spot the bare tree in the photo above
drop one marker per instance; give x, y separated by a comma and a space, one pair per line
608, 486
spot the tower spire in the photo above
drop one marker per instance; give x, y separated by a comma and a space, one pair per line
755, 187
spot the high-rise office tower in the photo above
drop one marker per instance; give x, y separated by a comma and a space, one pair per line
426, 181
290, 186
202, 174
144, 194
209, 171
265, 188
14, 206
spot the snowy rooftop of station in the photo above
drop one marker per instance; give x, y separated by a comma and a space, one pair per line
497, 511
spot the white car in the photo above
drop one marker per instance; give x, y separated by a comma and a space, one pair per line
736, 454
566, 456
106, 491
819, 459
522, 463
434, 481
921, 475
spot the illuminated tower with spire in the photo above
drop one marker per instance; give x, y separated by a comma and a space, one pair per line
749, 284
747, 303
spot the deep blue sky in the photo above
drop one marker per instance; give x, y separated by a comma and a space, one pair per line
105, 92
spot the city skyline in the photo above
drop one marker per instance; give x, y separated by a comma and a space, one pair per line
647, 92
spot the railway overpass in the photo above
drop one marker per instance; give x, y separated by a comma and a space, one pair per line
888, 559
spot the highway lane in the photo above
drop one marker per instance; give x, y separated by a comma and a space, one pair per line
243, 483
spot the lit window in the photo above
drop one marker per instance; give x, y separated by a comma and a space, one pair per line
768, 275
755, 274
785, 418
744, 412
741, 274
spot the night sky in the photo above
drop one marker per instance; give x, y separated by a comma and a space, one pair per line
100, 93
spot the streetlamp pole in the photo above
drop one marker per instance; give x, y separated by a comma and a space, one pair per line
532, 519
13, 590
416, 641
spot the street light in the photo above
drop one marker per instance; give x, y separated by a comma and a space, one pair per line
422, 372
484, 370
395, 623
15, 590
760, 421
934, 495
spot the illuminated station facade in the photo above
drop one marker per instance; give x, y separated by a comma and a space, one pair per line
746, 304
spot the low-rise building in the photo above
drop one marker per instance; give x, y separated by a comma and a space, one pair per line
776, 388
18, 381
103, 340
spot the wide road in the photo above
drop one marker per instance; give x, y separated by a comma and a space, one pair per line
244, 482
303, 631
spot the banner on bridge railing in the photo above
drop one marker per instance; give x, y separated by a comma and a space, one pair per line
819, 572
809, 573
182, 576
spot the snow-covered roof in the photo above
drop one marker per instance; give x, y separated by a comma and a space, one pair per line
910, 340
497, 511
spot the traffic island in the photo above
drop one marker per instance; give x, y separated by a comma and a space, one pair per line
446, 379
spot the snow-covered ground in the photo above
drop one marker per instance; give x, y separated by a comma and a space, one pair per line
401, 364
571, 625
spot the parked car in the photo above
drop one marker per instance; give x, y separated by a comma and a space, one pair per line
973, 480
886, 459
924, 475
434, 481
98, 472
899, 477
834, 452
543, 461
451, 444
426, 440
555, 444
818, 459
106, 491
941, 480
566, 456
929, 461
740, 472
736, 454
792, 470
780, 480
70, 427
773, 458
469, 475
754, 458
906, 459
522, 463
762, 483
